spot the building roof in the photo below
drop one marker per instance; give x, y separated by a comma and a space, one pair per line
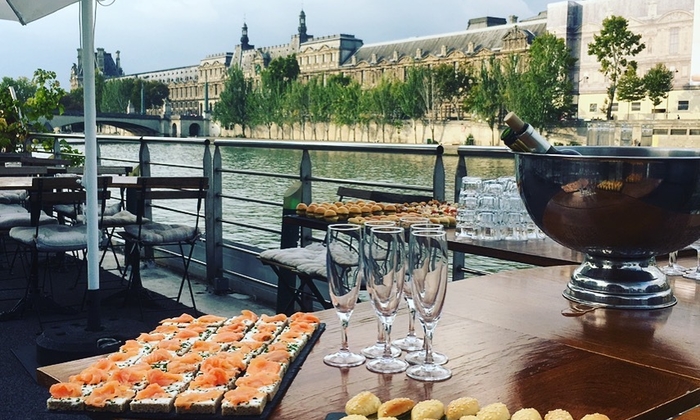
468, 42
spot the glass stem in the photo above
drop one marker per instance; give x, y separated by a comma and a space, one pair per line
428, 344
380, 332
344, 334
697, 259
411, 321
672, 258
387, 341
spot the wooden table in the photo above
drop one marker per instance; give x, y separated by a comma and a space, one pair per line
508, 341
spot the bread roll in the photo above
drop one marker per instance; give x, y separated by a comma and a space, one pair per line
365, 403
595, 416
330, 215
461, 407
301, 209
558, 414
526, 414
395, 407
354, 417
429, 409
495, 411
343, 213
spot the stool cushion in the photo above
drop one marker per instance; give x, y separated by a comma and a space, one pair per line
120, 219
10, 220
13, 196
310, 260
68, 210
161, 233
52, 238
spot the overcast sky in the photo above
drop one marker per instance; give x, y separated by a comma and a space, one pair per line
161, 34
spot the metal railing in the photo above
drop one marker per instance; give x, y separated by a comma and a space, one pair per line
218, 244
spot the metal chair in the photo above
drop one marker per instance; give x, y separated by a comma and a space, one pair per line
147, 234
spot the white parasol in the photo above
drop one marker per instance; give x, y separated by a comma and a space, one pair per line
24, 12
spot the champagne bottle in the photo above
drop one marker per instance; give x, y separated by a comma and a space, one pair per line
521, 137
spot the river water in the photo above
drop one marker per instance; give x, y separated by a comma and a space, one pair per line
386, 168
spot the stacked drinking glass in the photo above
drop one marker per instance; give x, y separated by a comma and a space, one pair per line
491, 209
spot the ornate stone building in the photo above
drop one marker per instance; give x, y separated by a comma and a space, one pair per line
107, 66
667, 29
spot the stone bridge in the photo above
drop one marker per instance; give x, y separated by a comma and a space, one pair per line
134, 124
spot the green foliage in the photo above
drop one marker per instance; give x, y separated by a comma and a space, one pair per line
281, 72
116, 94
547, 90
485, 97
658, 82
613, 46
631, 87
36, 100
234, 106
68, 152
470, 141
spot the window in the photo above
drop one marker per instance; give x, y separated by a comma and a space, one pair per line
614, 107
682, 105
673, 41
636, 106
593, 107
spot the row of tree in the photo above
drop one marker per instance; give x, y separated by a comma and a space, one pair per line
536, 86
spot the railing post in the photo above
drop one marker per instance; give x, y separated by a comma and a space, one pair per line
460, 173
145, 170
56, 148
305, 177
439, 176
213, 220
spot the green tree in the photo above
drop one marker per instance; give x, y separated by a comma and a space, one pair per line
451, 84
658, 82
548, 92
116, 95
347, 104
320, 106
613, 46
630, 87
412, 96
73, 100
234, 107
297, 104
281, 72
24, 115
484, 98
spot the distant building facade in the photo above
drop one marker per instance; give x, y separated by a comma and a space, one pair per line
668, 29
108, 66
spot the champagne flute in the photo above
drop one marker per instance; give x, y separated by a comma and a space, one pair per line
377, 349
344, 266
386, 274
694, 273
411, 342
429, 262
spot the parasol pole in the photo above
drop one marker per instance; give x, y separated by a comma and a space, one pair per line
90, 173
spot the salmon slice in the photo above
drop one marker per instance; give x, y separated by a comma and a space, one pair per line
182, 319
173, 344
258, 380
263, 336
121, 356
275, 355
206, 347
210, 319
110, 390
152, 391
90, 376
131, 374
305, 317
236, 328
66, 390
158, 355
186, 399
166, 329
249, 315
260, 364
188, 333
157, 376
273, 318
211, 378
150, 337
303, 327
243, 394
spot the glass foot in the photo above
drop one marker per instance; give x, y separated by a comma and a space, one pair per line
409, 343
429, 373
377, 350
673, 270
418, 358
344, 359
387, 365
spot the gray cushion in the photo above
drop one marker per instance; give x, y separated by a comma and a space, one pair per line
12, 208
52, 238
161, 233
121, 219
13, 196
68, 210
10, 220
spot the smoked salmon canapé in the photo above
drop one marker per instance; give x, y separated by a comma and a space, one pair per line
153, 399
110, 396
198, 401
242, 401
66, 396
